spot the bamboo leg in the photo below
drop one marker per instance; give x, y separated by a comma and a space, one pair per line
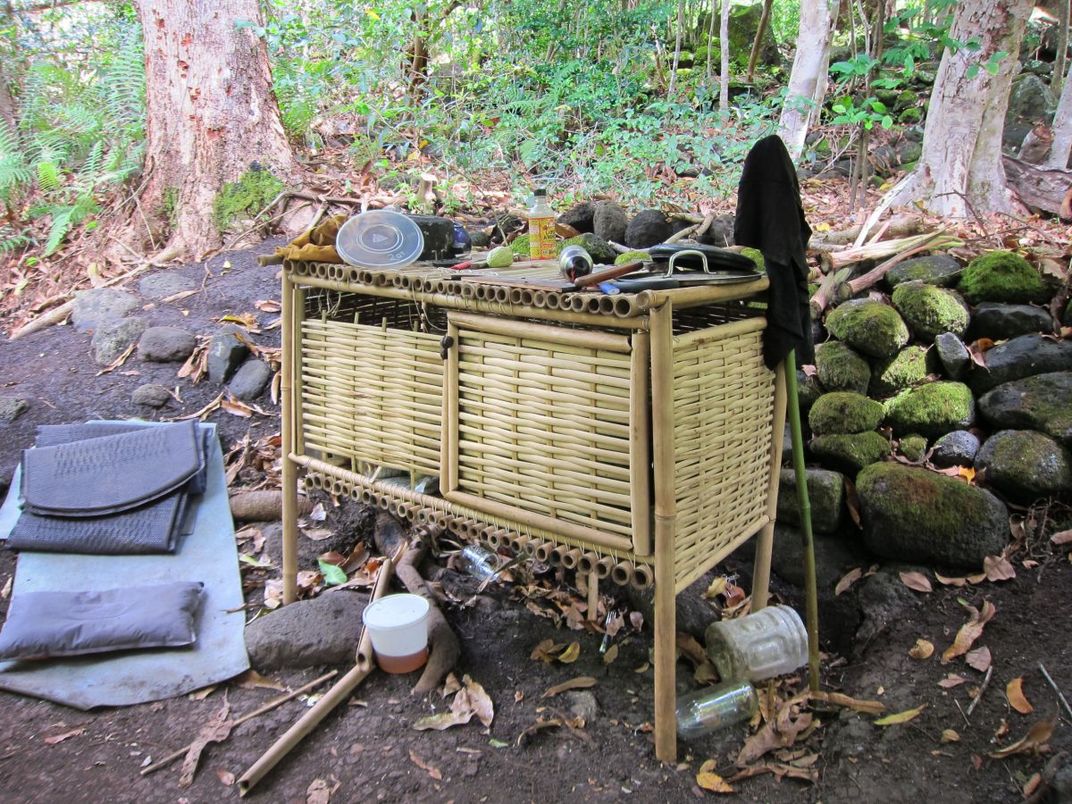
662, 405
593, 596
765, 541
291, 319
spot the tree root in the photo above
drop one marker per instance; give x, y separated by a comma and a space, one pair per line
443, 646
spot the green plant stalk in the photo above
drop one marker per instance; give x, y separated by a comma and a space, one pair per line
811, 595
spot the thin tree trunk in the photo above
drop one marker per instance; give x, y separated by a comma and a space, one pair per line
807, 80
1060, 63
1062, 127
710, 36
677, 45
211, 112
724, 52
961, 170
753, 57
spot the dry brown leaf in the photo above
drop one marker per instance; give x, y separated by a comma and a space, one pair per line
570, 654
916, 581
979, 659
216, 730
204, 692
427, 767
691, 649
970, 631
998, 568
55, 739
251, 680
1037, 736
443, 720
952, 680
317, 534
636, 619
950, 736
901, 717
922, 649
119, 361
546, 651
236, 407
578, 683
1064, 537
319, 791
225, 777
840, 699
479, 700
268, 305
848, 579
707, 779
1014, 691
852, 503
716, 587
779, 732
643, 668
611, 654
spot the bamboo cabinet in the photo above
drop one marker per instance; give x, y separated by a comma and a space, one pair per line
634, 437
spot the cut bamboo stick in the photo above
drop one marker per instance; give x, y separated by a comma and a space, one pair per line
621, 572
332, 698
642, 577
290, 318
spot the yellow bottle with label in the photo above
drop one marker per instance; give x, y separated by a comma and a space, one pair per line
541, 227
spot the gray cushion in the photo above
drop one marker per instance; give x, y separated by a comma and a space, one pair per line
41, 625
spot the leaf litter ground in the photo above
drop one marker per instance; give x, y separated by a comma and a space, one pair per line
547, 716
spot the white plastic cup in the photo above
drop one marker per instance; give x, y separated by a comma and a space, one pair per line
398, 628
767, 643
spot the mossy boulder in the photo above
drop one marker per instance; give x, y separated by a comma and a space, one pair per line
1042, 402
906, 368
826, 495
1002, 276
840, 368
913, 447
834, 556
598, 248
915, 515
246, 197
931, 410
958, 448
850, 453
519, 246
1022, 357
1000, 322
934, 269
930, 310
1025, 465
844, 412
869, 326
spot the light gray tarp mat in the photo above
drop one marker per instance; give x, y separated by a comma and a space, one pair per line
208, 554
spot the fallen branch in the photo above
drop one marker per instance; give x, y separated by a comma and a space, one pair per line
688, 231
332, 698
1060, 695
268, 707
979, 695
1046, 189
878, 251
443, 647
897, 226
938, 240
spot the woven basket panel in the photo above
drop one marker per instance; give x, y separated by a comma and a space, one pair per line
724, 409
372, 394
545, 428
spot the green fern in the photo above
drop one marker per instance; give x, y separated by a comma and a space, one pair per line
15, 172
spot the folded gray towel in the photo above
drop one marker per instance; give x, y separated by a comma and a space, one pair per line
44, 624
110, 474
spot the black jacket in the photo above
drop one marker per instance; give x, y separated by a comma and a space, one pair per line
770, 218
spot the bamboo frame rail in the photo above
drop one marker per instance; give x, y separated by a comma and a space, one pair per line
634, 438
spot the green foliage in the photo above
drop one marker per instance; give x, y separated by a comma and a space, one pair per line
253, 191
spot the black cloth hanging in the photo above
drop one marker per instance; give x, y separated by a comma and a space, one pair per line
770, 218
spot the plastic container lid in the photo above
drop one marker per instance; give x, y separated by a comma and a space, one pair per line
379, 239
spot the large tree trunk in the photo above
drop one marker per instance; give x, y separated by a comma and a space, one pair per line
807, 80
211, 113
724, 56
961, 170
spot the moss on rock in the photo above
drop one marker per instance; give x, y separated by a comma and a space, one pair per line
756, 256
912, 514
844, 412
840, 369
931, 410
930, 310
1002, 276
519, 246
631, 256
1025, 465
869, 326
850, 453
913, 447
247, 196
906, 368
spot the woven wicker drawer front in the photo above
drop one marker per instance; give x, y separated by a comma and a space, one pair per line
543, 426
724, 410
372, 394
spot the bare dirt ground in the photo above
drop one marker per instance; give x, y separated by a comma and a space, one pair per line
368, 750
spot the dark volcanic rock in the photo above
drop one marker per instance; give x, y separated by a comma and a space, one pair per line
650, 227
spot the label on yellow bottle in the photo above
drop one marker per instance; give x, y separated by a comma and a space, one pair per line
542, 238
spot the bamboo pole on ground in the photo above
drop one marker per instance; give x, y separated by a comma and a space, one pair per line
765, 541
810, 591
332, 698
